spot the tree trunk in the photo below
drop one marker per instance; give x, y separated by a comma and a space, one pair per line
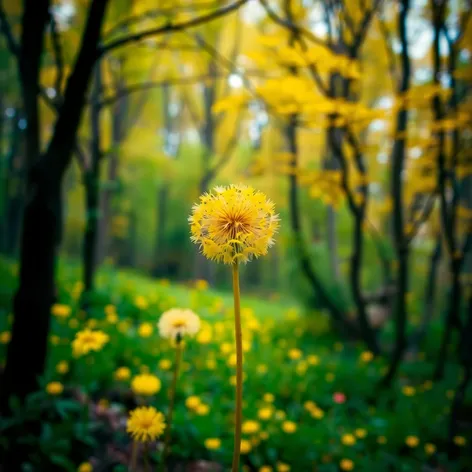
92, 190
401, 245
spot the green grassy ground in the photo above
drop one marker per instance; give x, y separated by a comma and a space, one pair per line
312, 399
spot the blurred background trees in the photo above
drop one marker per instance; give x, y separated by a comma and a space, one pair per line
354, 117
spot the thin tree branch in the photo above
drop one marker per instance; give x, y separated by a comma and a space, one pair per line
171, 27
57, 47
6, 30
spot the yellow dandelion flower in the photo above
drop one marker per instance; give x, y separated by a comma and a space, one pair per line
262, 369
5, 337
346, 464
429, 448
204, 336
145, 424
165, 364
367, 356
348, 439
233, 223
246, 446
192, 402
295, 354
88, 340
268, 397
313, 359
250, 427
85, 467
360, 433
202, 409
412, 441
145, 330
62, 367
317, 413
265, 413
282, 467
60, 311
201, 284
289, 427
408, 390
382, 440
145, 384
122, 373
459, 441
141, 302
178, 322
54, 388
212, 443
266, 468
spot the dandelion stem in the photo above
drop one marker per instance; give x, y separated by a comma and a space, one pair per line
239, 369
134, 457
172, 392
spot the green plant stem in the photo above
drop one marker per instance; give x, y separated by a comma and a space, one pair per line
238, 414
134, 456
147, 466
172, 392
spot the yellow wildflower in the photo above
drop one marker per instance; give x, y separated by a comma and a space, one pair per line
408, 390
85, 467
54, 388
60, 310
281, 467
233, 223
289, 427
145, 330
412, 441
266, 468
5, 337
246, 446
212, 443
202, 409
62, 367
367, 356
348, 439
459, 441
145, 384
192, 402
122, 373
360, 433
346, 464
265, 413
429, 448
165, 364
268, 397
88, 340
382, 440
295, 354
145, 424
250, 427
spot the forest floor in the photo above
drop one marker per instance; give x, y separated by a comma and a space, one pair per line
311, 401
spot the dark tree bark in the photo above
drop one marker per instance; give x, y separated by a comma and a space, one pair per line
42, 217
398, 164
92, 189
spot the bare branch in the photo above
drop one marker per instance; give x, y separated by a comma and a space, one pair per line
171, 27
6, 30
56, 43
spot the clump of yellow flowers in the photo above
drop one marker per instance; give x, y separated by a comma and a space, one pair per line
88, 340
234, 224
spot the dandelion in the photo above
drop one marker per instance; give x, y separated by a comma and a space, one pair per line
192, 402
408, 390
88, 340
382, 440
5, 337
231, 225
266, 468
295, 354
250, 427
145, 424
459, 441
348, 439
289, 427
54, 388
122, 373
177, 323
265, 413
85, 467
245, 446
60, 311
145, 330
346, 464
212, 443
282, 467
62, 367
268, 397
360, 433
145, 384
202, 409
367, 356
429, 448
412, 441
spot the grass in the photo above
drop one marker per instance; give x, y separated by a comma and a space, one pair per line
313, 397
